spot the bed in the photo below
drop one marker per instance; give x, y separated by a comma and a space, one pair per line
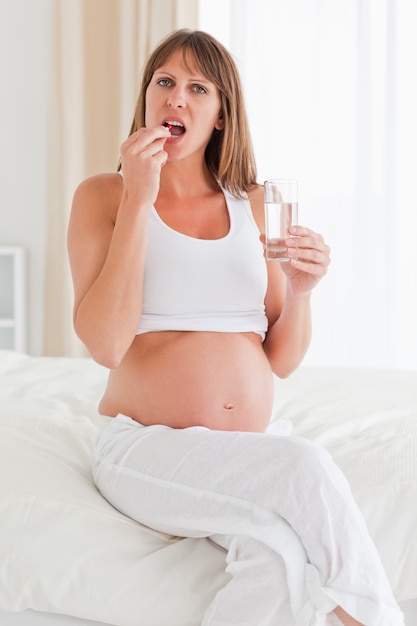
67, 558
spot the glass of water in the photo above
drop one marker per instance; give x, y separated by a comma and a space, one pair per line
281, 212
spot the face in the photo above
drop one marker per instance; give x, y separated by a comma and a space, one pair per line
181, 95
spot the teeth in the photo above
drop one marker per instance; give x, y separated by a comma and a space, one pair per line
173, 123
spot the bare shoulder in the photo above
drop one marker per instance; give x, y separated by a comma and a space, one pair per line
94, 210
93, 215
256, 199
100, 193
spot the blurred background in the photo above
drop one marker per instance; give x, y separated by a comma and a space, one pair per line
331, 94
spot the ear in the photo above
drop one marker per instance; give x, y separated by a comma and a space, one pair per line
219, 125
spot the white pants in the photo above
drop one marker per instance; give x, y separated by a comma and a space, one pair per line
297, 545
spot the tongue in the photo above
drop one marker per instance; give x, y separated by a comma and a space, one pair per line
177, 130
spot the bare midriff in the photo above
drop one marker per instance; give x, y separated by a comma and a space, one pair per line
222, 381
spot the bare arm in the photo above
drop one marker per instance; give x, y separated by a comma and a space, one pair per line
289, 336
107, 244
288, 297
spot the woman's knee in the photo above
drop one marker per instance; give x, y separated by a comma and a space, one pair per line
309, 464
304, 454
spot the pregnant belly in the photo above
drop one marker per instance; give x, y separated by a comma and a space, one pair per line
222, 381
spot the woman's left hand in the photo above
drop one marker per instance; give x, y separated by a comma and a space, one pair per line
309, 259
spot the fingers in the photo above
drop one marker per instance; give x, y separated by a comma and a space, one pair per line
142, 156
146, 136
308, 251
146, 144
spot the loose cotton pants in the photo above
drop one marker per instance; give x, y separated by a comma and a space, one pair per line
297, 545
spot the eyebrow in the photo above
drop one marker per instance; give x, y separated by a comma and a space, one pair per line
192, 79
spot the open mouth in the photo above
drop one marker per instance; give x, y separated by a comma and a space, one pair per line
175, 128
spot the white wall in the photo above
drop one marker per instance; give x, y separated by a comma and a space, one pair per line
24, 37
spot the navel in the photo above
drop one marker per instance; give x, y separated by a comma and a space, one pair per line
229, 406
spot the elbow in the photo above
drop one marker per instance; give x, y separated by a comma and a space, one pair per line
108, 354
283, 365
106, 359
103, 350
284, 372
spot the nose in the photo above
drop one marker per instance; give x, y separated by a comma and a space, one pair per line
176, 98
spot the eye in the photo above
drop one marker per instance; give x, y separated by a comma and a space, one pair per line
199, 89
164, 82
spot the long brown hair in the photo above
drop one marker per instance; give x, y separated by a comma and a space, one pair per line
229, 154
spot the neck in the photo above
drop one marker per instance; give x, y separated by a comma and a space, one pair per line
179, 180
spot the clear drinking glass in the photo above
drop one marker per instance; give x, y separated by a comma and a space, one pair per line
281, 212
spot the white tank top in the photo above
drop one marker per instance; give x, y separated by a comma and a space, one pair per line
205, 285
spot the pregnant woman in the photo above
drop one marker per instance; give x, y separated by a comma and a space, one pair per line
173, 294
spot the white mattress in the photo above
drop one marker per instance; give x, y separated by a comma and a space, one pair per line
64, 550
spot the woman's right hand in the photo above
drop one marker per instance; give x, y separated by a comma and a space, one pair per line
142, 157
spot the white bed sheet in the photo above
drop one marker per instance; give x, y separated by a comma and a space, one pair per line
367, 419
63, 549
34, 618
